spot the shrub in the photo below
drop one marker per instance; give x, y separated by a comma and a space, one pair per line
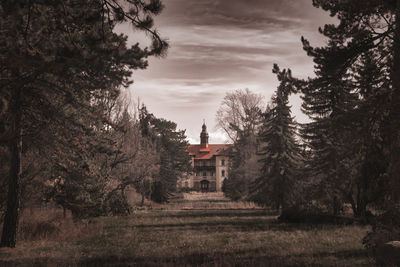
385, 228
311, 214
37, 230
117, 204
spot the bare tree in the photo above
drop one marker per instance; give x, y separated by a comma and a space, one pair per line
138, 160
240, 117
239, 113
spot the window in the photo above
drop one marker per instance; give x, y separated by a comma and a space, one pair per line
223, 173
223, 162
204, 173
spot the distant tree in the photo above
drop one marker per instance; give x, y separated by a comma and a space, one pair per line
171, 145
57, 60
240, 117
239, 113
138, 163
280, 153
243, 167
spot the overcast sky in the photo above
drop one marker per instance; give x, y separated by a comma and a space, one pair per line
221, 46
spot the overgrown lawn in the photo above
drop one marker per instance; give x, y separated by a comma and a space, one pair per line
173, 237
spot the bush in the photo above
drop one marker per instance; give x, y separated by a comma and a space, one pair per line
117, 204
235, 187
385, 228
37, 230
311, 214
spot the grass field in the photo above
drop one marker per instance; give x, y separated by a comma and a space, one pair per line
197, 230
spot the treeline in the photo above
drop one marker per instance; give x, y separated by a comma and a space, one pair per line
348, 152
66, 134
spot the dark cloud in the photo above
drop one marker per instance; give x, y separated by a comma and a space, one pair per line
275, 14
218, 46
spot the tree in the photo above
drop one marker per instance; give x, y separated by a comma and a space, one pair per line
171, 145
243, 167
367, 162
239, 116
239, 113
138, 163
364, 26
327, 100
57, 60
280, 152
368, 33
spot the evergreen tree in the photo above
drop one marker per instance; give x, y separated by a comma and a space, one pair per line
236, 186
57, 60
280, 153
364, 26
326, 100
368, 33
366, 161
171, 145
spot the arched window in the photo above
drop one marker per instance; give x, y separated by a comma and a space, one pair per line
223, 173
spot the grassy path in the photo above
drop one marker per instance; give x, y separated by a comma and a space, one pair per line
196, 231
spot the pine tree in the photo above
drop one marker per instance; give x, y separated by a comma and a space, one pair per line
280, 153
57, 59
171, 145
327, 99
366, 161
364, 26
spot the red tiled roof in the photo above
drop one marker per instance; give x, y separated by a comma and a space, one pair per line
208, 153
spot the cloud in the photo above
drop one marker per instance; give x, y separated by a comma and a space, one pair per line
219, 46
239, 13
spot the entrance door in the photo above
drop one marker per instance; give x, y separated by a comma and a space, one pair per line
204, 184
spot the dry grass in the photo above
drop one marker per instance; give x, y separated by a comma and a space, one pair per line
195, 237
49, 224
212, 200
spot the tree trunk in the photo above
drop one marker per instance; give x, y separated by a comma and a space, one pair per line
9, 234
142, 202
353, 206
336, 205
394, 166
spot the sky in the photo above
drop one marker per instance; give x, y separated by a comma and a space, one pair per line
221, 46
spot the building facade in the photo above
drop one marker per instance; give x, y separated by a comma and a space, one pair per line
210, 165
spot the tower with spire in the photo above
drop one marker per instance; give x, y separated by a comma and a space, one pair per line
204, 137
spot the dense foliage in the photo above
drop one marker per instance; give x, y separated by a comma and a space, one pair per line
352, 142
62, 67
239, 116
171, 145
280, 153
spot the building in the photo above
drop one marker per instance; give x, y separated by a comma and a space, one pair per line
210, 165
